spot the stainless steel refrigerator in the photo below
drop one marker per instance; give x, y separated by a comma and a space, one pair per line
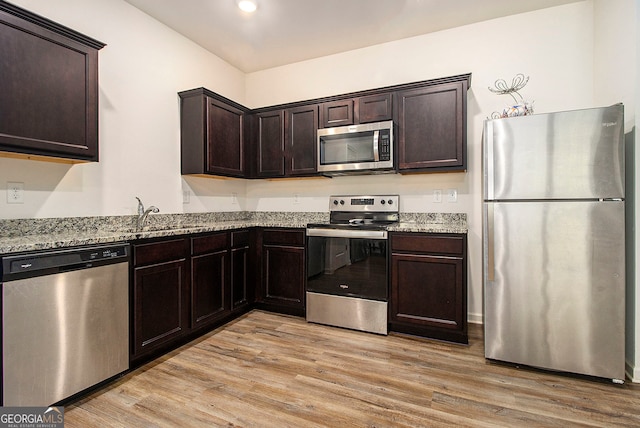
554, 241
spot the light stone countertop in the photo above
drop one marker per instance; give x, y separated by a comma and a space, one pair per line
24, 235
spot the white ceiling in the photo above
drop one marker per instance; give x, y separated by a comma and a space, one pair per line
286, 31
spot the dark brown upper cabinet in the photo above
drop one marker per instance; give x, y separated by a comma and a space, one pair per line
286, 142
337, 113
221, 137
48, 89
212, 130
270, 144
374, 108
350, 111
432, 128
300, 140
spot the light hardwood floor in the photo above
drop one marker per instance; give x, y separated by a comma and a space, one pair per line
269, 370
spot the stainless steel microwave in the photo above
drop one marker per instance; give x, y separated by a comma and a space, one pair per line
356, 149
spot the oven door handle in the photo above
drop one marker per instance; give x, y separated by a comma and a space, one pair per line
342, 233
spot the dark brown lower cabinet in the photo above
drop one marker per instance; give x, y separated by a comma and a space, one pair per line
240, 293
160, 295
182, 287
210, 286
429, 285
283, 271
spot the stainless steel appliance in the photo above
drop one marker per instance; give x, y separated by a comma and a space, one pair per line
356, 148
554, 241
65, 322
347, 260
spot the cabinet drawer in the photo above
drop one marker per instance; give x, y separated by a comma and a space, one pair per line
157, 252
420, 243
209, 243
239, 238
294, 237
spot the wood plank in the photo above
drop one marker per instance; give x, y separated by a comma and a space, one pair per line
271, 370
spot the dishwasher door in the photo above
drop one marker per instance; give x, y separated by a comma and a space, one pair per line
65, 322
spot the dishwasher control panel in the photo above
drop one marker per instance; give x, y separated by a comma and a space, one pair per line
105, 253
47, 262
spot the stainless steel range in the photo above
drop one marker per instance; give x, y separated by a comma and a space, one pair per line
347, 261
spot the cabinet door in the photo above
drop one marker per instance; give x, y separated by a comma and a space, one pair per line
224, 149
432, 128
48, 88
283, 276
209, 293
374, 108
159, 304
302, 127
337, 113
270, 141
239, 264
427, 290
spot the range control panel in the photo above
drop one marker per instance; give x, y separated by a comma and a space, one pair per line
379, 203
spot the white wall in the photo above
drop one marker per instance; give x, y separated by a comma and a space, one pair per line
553, 46
141, 70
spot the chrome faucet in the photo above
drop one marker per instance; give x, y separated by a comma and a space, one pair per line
143, 214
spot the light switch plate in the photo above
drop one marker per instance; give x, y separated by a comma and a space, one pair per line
15, 192
437, 196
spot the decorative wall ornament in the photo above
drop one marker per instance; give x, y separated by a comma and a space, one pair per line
520, 107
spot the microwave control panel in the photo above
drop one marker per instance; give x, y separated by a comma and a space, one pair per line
384, 146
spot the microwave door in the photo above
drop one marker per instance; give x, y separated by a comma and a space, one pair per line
347, 149
361, 147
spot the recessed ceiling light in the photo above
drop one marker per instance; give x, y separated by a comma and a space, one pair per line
247, 5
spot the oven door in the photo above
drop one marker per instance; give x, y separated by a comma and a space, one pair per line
347, 263
347, 279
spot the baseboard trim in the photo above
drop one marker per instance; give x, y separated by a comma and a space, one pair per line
475, 318
632, 372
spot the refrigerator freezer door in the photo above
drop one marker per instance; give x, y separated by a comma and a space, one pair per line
554, 285
566, 155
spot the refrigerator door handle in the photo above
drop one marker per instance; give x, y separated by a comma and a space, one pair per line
490, 268
488, 160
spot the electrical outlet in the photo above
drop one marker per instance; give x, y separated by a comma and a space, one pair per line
452, 195
234, 198
186, 196
296, 199
437, 196
15, 192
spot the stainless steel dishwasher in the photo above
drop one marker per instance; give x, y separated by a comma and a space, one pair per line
65, 322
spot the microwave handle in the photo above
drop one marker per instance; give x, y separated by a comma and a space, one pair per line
376, 153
